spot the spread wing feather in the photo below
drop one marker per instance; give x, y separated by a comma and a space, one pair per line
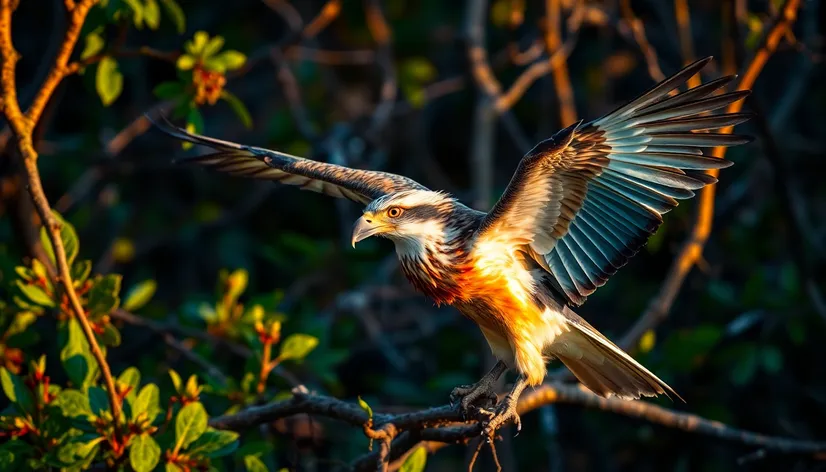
586, 200
359, 185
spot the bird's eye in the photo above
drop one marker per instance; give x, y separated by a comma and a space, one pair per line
394, 212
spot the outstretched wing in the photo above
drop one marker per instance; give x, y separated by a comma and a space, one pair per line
584, 201
361, 186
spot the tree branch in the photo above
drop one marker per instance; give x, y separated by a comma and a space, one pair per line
22, 126
692, 248
445, 425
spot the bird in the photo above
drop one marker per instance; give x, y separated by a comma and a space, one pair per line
579, 205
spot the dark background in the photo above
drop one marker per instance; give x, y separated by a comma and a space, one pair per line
743, 343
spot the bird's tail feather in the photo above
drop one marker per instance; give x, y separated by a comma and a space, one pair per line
605, 368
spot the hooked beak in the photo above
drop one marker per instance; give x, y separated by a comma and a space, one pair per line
366, 227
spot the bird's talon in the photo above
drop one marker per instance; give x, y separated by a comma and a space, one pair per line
468, 395
505, 412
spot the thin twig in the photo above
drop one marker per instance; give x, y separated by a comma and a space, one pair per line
637, 28
692, 249
561, 79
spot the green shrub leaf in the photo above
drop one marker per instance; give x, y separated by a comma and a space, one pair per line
238, 107
152, 14
147, 401
231, 59
73, 403
139, 295
144, 453
416, 461
215, 443
190, 424
130, 378
108, 81
80, 365
92, 44
297, 346
80, 271
16, 391
366, 407
67, 235
176, 14
103, 296
254, 464
35, 294
98, 400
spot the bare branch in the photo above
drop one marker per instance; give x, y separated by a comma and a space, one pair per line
444, 424
693, 247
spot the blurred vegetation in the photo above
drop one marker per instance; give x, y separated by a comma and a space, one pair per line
147, 239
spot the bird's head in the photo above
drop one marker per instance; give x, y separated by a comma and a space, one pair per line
411, 219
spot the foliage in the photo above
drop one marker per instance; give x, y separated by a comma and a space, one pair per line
71, 425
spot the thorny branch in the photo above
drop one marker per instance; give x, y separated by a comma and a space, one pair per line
22, 126
445, 425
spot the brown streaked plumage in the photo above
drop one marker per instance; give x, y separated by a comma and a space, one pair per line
579, 205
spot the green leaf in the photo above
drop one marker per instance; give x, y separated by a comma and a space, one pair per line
196, 46
185, 62
103, 296
67, 235
110, 336
139, 295
231, 59
144, 453
108, 81
79, 452
137, 12
190, 424
364, 406
297, 346
212, 46
6, 459
152, 14
169, 90
16, 391
238, 107
131, 378
73, 403
147, 401
237, 283
176, 14
170, 467
254, 464
80, 365
80, 271
214, 443
416, 461
35, 294
98, 400
176, 380
419, 69
92, 44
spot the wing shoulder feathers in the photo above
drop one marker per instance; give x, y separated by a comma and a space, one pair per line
236, 159
586, 207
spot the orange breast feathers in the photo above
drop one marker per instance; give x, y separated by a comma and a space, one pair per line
499, 292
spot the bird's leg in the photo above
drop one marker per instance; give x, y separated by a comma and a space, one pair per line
468, 394
506, 409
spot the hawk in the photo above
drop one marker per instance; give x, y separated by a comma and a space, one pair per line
579, 205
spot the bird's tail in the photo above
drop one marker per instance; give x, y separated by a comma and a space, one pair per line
603, 367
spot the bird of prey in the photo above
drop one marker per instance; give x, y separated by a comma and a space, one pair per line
579, 205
